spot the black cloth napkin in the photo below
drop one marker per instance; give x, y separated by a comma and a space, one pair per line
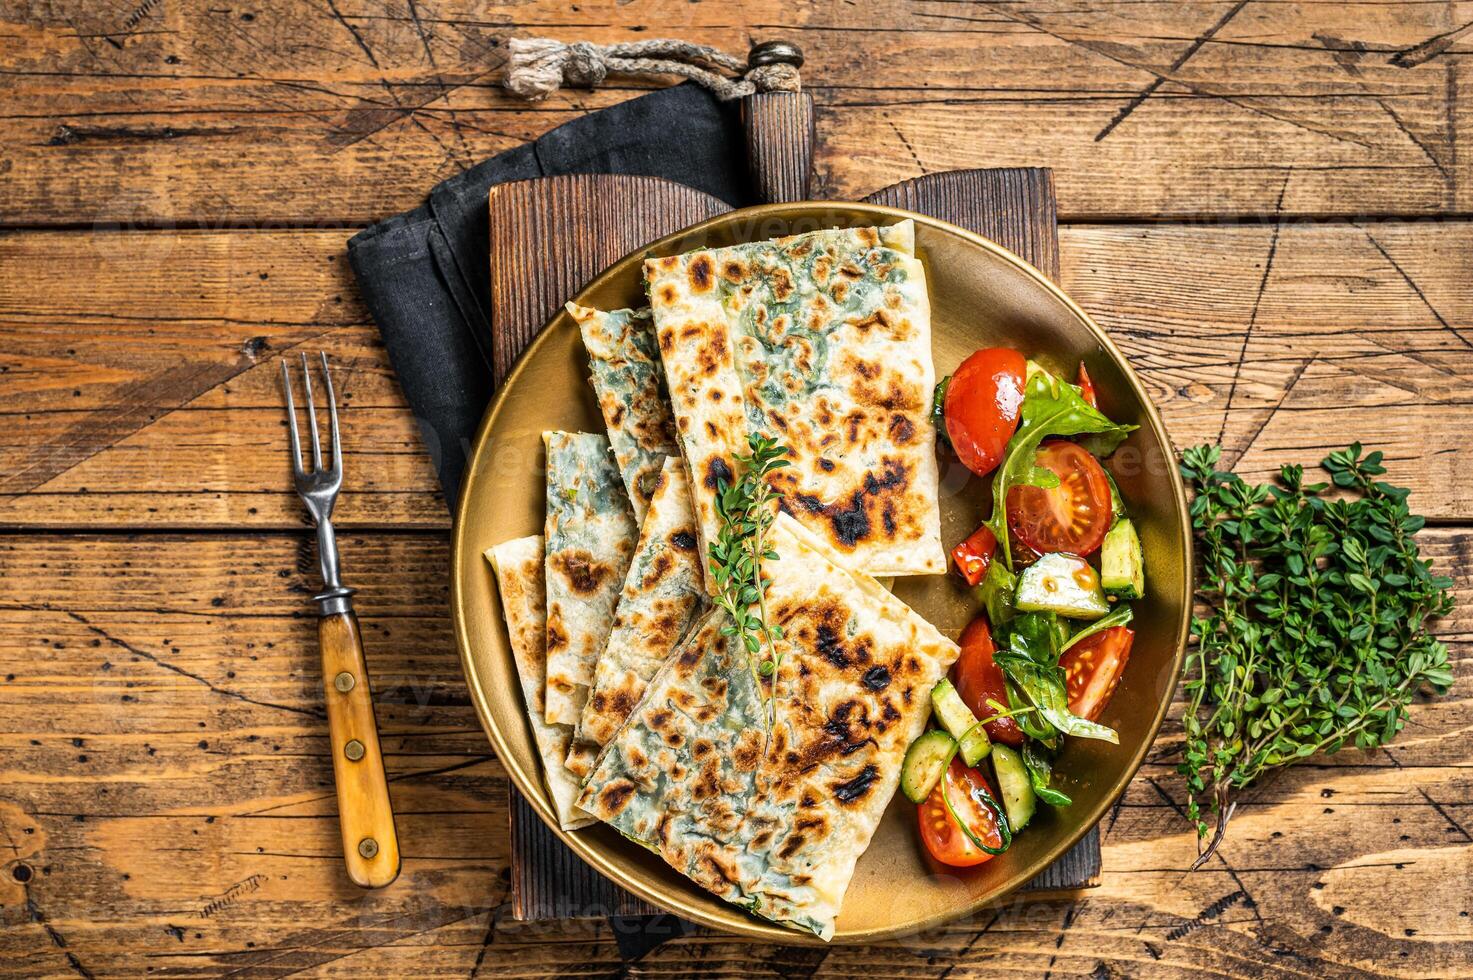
425, 277
425, 274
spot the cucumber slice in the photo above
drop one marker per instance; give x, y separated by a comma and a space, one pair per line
1122, 571
951, 711
1063, 584
925, 763
1015, 785
974, 745
954, 715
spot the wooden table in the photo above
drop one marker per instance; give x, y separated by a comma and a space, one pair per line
1264, 202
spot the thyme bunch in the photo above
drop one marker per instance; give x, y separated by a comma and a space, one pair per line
1316, 633
735, 558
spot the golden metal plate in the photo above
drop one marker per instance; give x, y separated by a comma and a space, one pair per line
981, 296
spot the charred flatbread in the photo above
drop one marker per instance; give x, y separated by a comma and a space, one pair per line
519, 580
823, 342
624, 366
776, 823
590, 535
663, 593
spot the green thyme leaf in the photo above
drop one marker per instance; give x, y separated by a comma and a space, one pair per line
1317, 628
746, 509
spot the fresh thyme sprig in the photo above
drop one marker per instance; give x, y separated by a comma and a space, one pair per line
736, 556
1316, 635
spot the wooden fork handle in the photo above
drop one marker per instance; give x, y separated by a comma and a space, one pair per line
370, 843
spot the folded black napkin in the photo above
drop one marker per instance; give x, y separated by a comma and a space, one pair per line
425, 277
424, 274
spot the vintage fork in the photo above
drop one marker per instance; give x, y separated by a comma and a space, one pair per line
370, 843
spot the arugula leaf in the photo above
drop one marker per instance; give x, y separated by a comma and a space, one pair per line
1021, 710
1051, 407
997, 593
1118, 616
1031, 663
1040, 771
1043, 688
1037, 636
938, 411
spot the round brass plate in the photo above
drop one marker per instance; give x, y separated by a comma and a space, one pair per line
981, 295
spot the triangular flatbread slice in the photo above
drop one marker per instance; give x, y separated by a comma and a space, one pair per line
590, 534
823, 342
519, 579
663, 593
624, 365
776, 824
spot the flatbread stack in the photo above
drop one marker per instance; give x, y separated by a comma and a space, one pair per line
590, 535
646, 713
663, 593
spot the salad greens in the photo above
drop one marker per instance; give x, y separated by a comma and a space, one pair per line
1031, 663
1118, 616
1040, 770
1051, 407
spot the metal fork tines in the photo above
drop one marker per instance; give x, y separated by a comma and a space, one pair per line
318, 487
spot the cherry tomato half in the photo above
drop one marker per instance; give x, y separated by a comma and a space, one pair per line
947, 842
978, 677
1087, 387
974, 555
981, 407
1092, 669
1072, 516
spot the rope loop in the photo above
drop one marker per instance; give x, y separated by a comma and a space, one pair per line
538, 66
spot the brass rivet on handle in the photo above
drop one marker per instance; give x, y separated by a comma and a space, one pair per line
353, 750
368, 847
344, 681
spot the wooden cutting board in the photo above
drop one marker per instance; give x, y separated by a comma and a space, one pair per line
542, 253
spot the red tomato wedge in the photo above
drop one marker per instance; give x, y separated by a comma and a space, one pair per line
978, 677
1072, 516
1087, 387
982, 404
974, 555
1092, 669
946, 841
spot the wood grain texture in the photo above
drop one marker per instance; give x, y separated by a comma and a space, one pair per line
1003, 205
203, 165
780, 141
299, 110
365, 812
144, 848
160, 406
551, 235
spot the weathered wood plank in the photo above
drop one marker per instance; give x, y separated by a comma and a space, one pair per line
192, 829
1278, 339
349, 110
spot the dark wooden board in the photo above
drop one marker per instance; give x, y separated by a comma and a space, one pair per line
540, 255
542, 252
551, 235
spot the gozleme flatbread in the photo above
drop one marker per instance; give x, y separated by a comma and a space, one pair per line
822, 341
663, 593
776, 826
624, 362
590, 534
519, 579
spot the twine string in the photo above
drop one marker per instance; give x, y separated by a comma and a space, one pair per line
539, 66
